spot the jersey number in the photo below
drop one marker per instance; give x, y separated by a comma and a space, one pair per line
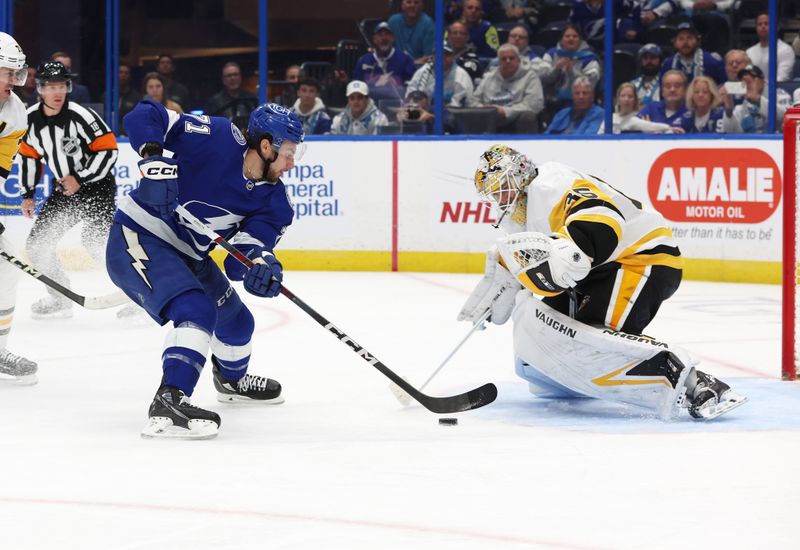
202, 128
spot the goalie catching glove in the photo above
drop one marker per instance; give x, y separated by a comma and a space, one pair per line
495, 291
545, 265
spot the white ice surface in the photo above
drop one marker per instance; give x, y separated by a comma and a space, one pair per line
343, 465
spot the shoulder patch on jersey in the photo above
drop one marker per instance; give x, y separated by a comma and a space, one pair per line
237, 135
716, 56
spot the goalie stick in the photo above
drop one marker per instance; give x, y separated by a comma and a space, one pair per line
404, 398
114, 299
441, 405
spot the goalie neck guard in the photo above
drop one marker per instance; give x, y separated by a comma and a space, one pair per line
503, 175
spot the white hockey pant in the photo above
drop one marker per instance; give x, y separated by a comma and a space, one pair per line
8, 291
559, 356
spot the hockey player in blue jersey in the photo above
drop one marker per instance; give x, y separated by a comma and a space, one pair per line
232, 182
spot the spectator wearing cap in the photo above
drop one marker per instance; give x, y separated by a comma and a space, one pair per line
672, 105
520, 37
583, 117
361, 117
386, 69
703, 114
414, 30
750, 117
457, 87
482, 34
648, 83
458, 40
570, 59
310, 109
79, 93
759, 53
515, 92
690, 58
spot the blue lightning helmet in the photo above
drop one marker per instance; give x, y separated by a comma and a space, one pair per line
275, 122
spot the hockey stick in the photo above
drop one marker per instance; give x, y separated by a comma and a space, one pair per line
404, 398
114, 299
441, 405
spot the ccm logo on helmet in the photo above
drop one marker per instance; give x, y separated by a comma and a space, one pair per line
160, 171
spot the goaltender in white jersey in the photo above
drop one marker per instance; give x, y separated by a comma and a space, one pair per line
13, 124
602, 264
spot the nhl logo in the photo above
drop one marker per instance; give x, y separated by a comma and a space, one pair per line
70, 146
250, 185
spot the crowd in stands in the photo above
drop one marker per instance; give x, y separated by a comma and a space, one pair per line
519, 66
536, 66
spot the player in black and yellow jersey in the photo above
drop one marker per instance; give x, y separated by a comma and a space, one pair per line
602, 264
13, 123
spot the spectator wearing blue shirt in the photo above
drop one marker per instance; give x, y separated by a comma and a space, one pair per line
570, 59
386, 69
482, 34
584, 117
704, 114
691, 59
414, 30
673, 101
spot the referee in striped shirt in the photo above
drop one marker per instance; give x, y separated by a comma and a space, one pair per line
80, 150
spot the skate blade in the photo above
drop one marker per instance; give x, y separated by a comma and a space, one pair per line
731, 402
64, 314
162, 428
400, 394
27, 380
241, 400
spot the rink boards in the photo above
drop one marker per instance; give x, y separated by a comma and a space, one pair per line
410, 205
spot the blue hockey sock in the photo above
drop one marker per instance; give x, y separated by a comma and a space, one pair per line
186, 345
231, 345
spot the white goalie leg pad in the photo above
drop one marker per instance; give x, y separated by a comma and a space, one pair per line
599, 363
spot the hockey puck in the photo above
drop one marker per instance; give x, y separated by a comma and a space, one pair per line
448, 421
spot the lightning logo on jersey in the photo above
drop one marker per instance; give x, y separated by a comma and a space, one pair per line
137, 252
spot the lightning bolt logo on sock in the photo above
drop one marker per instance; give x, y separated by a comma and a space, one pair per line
137, 252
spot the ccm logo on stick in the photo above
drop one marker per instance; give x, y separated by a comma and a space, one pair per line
160, 171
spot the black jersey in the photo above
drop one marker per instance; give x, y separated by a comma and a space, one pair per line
74, 142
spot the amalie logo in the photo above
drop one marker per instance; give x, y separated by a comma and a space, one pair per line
715, 185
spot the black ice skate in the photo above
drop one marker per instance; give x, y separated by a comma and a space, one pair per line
249, 389
712, 397
173, 416
51, 307
18, 368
